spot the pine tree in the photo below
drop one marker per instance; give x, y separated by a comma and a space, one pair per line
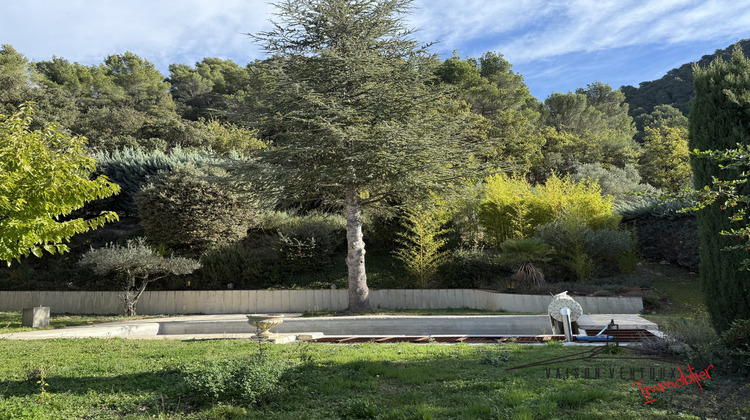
720, 120
358, 115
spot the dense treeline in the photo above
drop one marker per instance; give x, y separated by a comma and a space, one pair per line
185, 149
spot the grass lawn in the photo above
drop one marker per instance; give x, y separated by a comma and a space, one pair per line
116, 378
683, 289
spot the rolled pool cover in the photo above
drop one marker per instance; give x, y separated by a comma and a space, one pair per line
595, 338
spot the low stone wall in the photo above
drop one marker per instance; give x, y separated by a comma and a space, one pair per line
259, 301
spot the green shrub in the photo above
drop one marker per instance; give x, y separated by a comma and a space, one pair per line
471, 269
360, 409
606, 245
122, 142
738, 334
381, 231
579, 262
651, 302
642, 205
586, 251
130, 168
524, 252
628, 262
618, 182
665, 230
634, 206
278, 252
244, 382
243, 266
306, 242
737, 340
669, 239
226, 138
191, 208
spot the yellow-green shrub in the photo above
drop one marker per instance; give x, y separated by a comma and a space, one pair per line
502, 209
511, 207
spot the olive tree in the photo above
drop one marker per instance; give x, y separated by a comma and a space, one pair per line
138, 264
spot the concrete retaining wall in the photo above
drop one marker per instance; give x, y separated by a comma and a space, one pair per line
259, 301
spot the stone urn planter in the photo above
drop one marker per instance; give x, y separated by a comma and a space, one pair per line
263, 323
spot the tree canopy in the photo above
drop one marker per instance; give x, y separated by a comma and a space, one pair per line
510, 114
44, 176
666, 159
598, 119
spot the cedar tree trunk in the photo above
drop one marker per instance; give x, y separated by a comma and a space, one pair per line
359, 294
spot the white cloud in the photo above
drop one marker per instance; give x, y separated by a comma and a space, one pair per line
523, 30
89, 30
453, 23
535, 29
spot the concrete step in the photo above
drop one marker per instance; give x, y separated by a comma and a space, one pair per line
626, 321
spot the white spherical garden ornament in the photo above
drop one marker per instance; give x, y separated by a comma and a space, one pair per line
562, 300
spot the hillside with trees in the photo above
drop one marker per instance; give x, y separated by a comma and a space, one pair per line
674, 88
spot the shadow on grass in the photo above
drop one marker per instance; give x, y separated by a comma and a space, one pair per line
165, 382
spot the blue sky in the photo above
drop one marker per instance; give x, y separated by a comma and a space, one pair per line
557, 45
